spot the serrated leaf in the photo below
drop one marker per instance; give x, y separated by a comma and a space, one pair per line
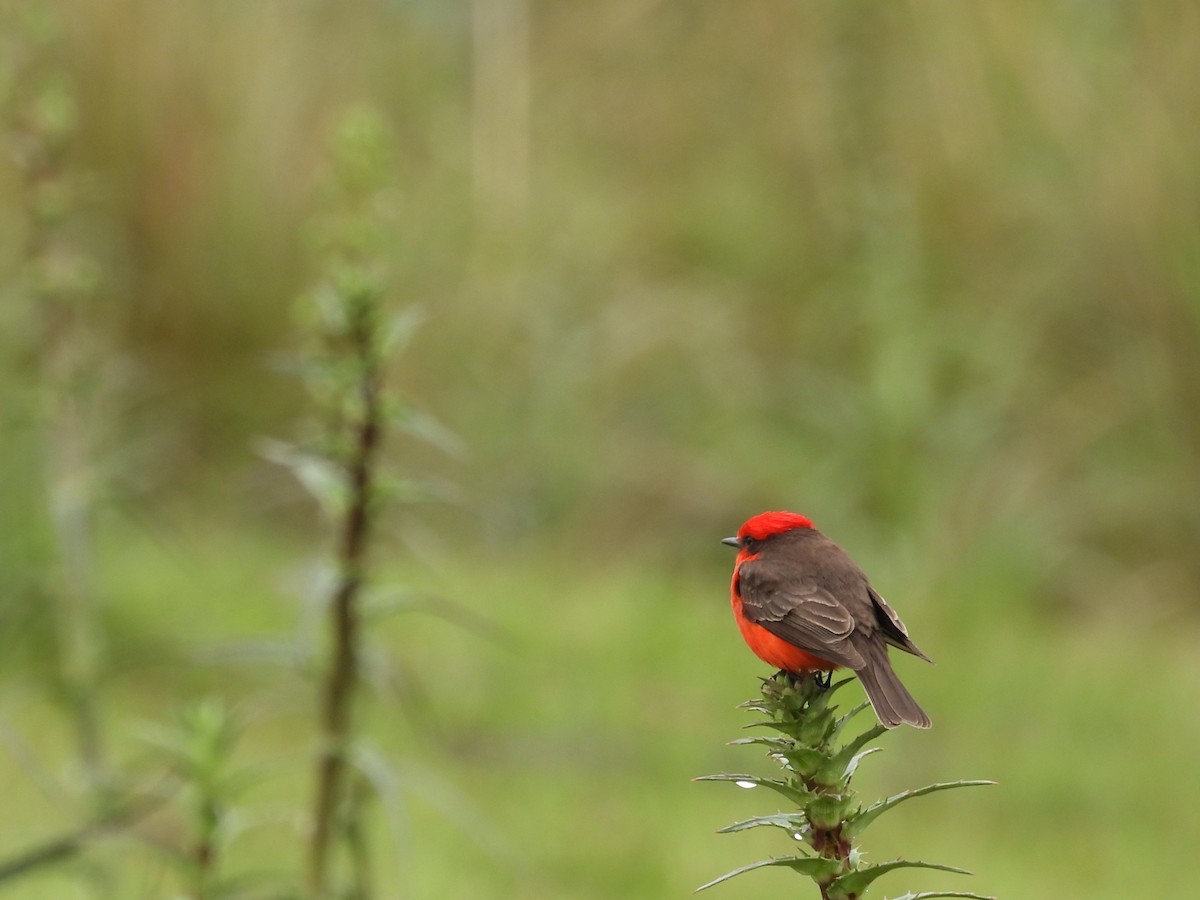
799, 796
789, 822
766, 741
757, 706
783, 727
861, 741
852, 766
854, 883
844, 720
840, 765
798, 759
858, 823
813, 866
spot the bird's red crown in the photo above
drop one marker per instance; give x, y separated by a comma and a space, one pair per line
764, 525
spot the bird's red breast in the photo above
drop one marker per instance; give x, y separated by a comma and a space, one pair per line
772, 650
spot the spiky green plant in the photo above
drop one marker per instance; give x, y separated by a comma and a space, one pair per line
197, 746
817, 770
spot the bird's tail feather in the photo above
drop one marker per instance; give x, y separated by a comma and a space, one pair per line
893, 703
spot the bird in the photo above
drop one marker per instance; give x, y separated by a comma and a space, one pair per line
803, 605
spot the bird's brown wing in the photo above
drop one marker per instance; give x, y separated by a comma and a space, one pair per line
892, 628
798, 611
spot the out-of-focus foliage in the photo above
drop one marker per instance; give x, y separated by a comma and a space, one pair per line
929, 272
680, 260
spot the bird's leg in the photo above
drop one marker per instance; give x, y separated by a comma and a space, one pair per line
823, 679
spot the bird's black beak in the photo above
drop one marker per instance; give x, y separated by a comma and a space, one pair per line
731, 541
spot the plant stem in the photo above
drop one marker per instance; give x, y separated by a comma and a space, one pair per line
118, 817
337, 704
69, 490
42, 130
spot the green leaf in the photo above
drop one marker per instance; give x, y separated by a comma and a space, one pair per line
757, 706
419, 424
362, 150
852, 766
841, 766
858, 823
844, 720
397, 330
800, 759
813, 866
806, 762
792, 823
796, 795
815, 728
322, 477
778, 743
784, 727
861, 741
853, 883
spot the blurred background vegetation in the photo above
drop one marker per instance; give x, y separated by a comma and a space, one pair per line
927, 272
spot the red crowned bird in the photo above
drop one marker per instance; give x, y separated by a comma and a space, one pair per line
803, 605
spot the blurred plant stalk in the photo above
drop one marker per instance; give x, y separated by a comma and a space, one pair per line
345, 623
59, 279
344, 375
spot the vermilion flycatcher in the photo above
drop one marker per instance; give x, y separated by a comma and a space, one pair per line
803, 605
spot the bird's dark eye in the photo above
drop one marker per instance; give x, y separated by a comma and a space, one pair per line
748, 542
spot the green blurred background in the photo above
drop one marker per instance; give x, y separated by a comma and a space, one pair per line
927, 272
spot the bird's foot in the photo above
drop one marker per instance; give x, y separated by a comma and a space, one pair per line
821, 679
